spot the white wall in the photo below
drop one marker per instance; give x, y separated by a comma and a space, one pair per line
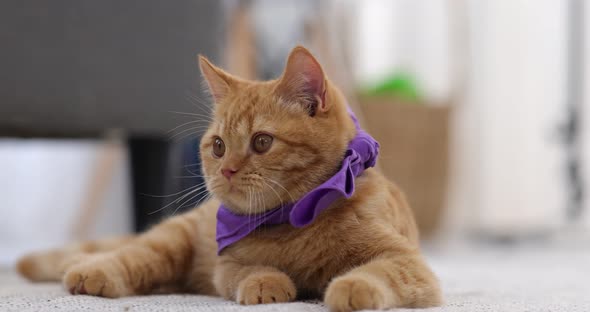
42, 183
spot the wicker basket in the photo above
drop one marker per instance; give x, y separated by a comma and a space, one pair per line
414, 142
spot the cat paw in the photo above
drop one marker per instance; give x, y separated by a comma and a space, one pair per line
71, 261
352, 293
40, 266
266, 288
27, 266
97, 277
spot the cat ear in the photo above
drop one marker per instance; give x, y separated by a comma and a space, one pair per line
303, 81
218, 81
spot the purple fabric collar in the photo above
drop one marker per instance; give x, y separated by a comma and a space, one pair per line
361, 154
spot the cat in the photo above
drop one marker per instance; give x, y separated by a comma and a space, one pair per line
269, 143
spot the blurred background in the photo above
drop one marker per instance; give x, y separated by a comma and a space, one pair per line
480, 106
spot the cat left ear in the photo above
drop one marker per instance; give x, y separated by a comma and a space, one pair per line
303, 81
218, 81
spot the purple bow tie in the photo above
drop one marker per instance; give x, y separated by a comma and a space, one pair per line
361, 154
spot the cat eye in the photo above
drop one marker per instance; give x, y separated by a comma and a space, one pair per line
218, 147
261, 143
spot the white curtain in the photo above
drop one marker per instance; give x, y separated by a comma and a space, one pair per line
585, 116
512, 168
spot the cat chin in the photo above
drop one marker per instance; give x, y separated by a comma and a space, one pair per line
237, 200
242, 207
233, 202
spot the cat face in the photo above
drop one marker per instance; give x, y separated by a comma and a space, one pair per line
271, 142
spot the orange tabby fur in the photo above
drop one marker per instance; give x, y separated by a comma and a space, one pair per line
360, 253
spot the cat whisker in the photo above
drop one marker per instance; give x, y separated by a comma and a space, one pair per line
188, 135
199, 102
203, 199
263, 201
182, 125
200, 175
262, 206
194, 114
202, 185
281, 186
258, 206
191, 176
170, 195
200, 127
260, 203
276, 193
249, 207
202, 119
188, 200
196, 97
188, 205
281, 202
195, 173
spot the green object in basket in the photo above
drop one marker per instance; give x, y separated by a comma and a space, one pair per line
400, 85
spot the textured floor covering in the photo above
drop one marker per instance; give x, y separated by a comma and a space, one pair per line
492, 279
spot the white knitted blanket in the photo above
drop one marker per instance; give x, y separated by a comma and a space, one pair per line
493, 279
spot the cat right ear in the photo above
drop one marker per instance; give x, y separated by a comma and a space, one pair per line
303, 81
218, 81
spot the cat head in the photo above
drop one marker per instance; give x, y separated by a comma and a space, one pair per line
270, 142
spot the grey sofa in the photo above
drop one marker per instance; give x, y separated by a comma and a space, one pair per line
76, 68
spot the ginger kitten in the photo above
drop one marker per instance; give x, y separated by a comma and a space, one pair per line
271, 144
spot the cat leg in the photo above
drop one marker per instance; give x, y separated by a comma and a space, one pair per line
49, 265
157, 258
252, 284
394, 279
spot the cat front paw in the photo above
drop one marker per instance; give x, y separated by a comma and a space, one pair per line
353, 293
41, 266
99, 276
272, 287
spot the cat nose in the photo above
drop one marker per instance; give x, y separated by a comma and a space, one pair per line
228, 173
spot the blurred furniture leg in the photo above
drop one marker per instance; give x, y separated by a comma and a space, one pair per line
109, 157
149, 163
